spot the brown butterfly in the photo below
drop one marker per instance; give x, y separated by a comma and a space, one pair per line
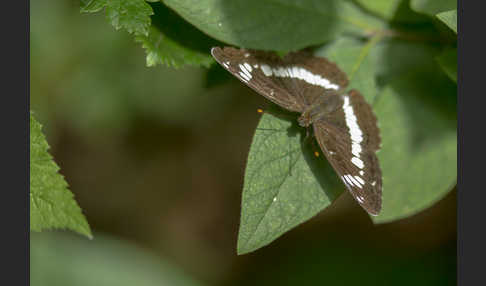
344, 124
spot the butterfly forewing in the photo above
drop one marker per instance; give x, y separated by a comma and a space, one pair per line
293, 82
349, 138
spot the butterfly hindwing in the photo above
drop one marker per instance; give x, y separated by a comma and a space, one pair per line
349, 138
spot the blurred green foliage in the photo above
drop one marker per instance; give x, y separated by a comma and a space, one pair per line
60, 259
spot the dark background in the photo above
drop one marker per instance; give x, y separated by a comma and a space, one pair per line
156, 158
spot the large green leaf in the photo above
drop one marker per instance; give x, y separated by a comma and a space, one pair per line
51, 203
449, 18
418, 156
274, 24
132, 15
433, 7
285, 184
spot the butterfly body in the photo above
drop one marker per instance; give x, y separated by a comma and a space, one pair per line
343, 122
326, 105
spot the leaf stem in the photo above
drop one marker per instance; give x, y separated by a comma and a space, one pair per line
364, 52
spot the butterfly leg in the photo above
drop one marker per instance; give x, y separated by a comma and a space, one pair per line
309, 138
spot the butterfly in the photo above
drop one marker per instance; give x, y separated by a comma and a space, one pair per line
343, 122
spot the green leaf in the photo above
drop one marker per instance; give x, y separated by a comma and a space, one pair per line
163, 50
433, 7
304, 23
448, 62
418, 158
91, 6
285, 184
449, 18
61, 259
417, 120
132, 15
51, 203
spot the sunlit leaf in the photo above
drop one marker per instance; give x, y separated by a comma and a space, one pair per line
449, 18
51, 203
131, 15
433, 7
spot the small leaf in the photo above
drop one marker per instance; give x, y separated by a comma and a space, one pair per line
132, 15
303, 23
163, 50
418, 156
91, 6
285, 184
448, 62
51, 203
449, 18
433, 7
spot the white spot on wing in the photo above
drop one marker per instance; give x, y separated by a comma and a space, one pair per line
360, 180
354, 131
244, 76
244, 69
351, 180
300, 73
358, 162
267, 71
305, 75
345, 177
248, 67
